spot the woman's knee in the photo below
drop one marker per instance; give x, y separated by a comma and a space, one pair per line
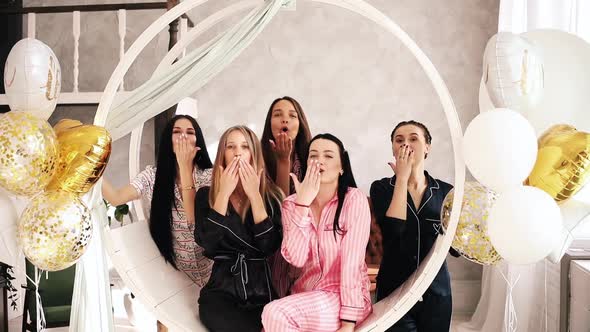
274, 312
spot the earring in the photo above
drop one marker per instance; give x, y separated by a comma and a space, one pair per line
341, 172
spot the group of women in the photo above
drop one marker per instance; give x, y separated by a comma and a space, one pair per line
275, 230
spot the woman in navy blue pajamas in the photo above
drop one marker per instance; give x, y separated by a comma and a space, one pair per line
407, 208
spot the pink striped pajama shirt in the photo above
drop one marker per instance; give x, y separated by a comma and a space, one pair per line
334, 284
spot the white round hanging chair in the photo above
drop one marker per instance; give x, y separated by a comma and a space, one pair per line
169, 293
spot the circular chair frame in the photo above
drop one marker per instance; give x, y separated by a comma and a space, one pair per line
128, 260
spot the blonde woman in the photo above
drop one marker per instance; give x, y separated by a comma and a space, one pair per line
238, 223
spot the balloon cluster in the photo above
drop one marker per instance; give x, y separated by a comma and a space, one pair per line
51, 166
530, 196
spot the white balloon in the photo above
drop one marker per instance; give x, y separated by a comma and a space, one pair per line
575, 212
500, 148
566, 94
8, 247
513, 71
32, 78
485, 103
524, 225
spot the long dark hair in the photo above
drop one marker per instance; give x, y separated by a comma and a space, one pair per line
301, 141
345, 181
163, 195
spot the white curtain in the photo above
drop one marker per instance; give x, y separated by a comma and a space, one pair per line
536, 294
524, 15
536, 306
91, 302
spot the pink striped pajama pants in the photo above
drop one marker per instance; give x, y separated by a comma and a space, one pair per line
315, 311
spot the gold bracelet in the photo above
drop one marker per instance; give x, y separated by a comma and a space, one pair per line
189, 187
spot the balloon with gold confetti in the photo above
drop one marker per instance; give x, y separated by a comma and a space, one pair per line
563, 162
28, 153
471, 239
54, 230
84, 151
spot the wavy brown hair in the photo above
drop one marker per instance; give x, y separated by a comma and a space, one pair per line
268, 190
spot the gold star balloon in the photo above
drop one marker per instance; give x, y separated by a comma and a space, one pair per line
54, 230
28, 153
84, 152
471, 239
65, 124
563, 162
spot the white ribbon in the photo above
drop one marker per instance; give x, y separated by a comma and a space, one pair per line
510, 318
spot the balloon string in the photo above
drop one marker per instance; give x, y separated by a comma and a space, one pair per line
545, 309
40, 314
40, 322
510, 318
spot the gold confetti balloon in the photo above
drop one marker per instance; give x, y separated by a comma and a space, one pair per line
28, 153
84, 152
54, 230
471, 239
563, 162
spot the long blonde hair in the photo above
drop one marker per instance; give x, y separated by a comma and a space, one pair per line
268, 190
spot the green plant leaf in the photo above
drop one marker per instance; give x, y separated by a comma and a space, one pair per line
124, 208
121, 211
119, 215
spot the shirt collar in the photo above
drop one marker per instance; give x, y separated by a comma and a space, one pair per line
294, 196
432, 183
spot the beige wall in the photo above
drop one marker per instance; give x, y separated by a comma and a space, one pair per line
357, 81
99, 55
353, 79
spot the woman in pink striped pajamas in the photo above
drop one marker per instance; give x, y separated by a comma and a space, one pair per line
326, 227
